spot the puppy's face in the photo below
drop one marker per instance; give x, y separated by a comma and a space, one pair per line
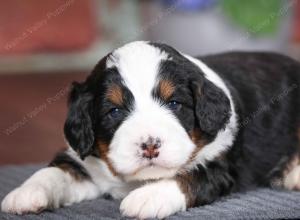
137, 112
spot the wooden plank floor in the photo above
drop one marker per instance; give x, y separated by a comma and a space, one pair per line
32, 113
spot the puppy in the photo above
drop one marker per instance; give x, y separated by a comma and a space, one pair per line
165, 132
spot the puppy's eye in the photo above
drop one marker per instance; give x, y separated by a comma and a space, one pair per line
173, 105
115, 112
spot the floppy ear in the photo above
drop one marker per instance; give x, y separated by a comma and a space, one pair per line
78, 128
211, 106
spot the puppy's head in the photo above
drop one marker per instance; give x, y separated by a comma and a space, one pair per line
146, 111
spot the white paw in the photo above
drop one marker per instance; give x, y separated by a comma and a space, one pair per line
292, 180
31, 198
155, 200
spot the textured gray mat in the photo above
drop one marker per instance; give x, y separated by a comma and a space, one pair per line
259, 204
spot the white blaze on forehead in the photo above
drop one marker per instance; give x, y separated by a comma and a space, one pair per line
138, 64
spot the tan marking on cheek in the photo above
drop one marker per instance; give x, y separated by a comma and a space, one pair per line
103, 151
166, 89
184, 181
184, 177
198, 140
115, 95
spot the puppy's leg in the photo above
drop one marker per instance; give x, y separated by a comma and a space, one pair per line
64, 183
165, 197
291, 173
159, 199
292, 180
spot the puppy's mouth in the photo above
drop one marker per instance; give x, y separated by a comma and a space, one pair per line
151, 171
151, 164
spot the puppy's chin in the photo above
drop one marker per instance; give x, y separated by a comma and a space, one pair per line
151, 173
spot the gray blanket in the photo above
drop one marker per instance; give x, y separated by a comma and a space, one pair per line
258, 204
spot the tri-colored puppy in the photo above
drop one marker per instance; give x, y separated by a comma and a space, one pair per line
166, 131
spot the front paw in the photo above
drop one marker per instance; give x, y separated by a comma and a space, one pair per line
155, 200
31, 198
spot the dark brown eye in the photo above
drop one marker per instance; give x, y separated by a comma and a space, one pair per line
115, 112
173, 105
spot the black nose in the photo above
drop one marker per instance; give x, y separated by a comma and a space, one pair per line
150, 148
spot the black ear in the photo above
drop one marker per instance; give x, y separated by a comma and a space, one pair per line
212, 106
78, 128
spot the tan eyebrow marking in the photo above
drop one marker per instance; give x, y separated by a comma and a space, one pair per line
166, 89
115, 94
